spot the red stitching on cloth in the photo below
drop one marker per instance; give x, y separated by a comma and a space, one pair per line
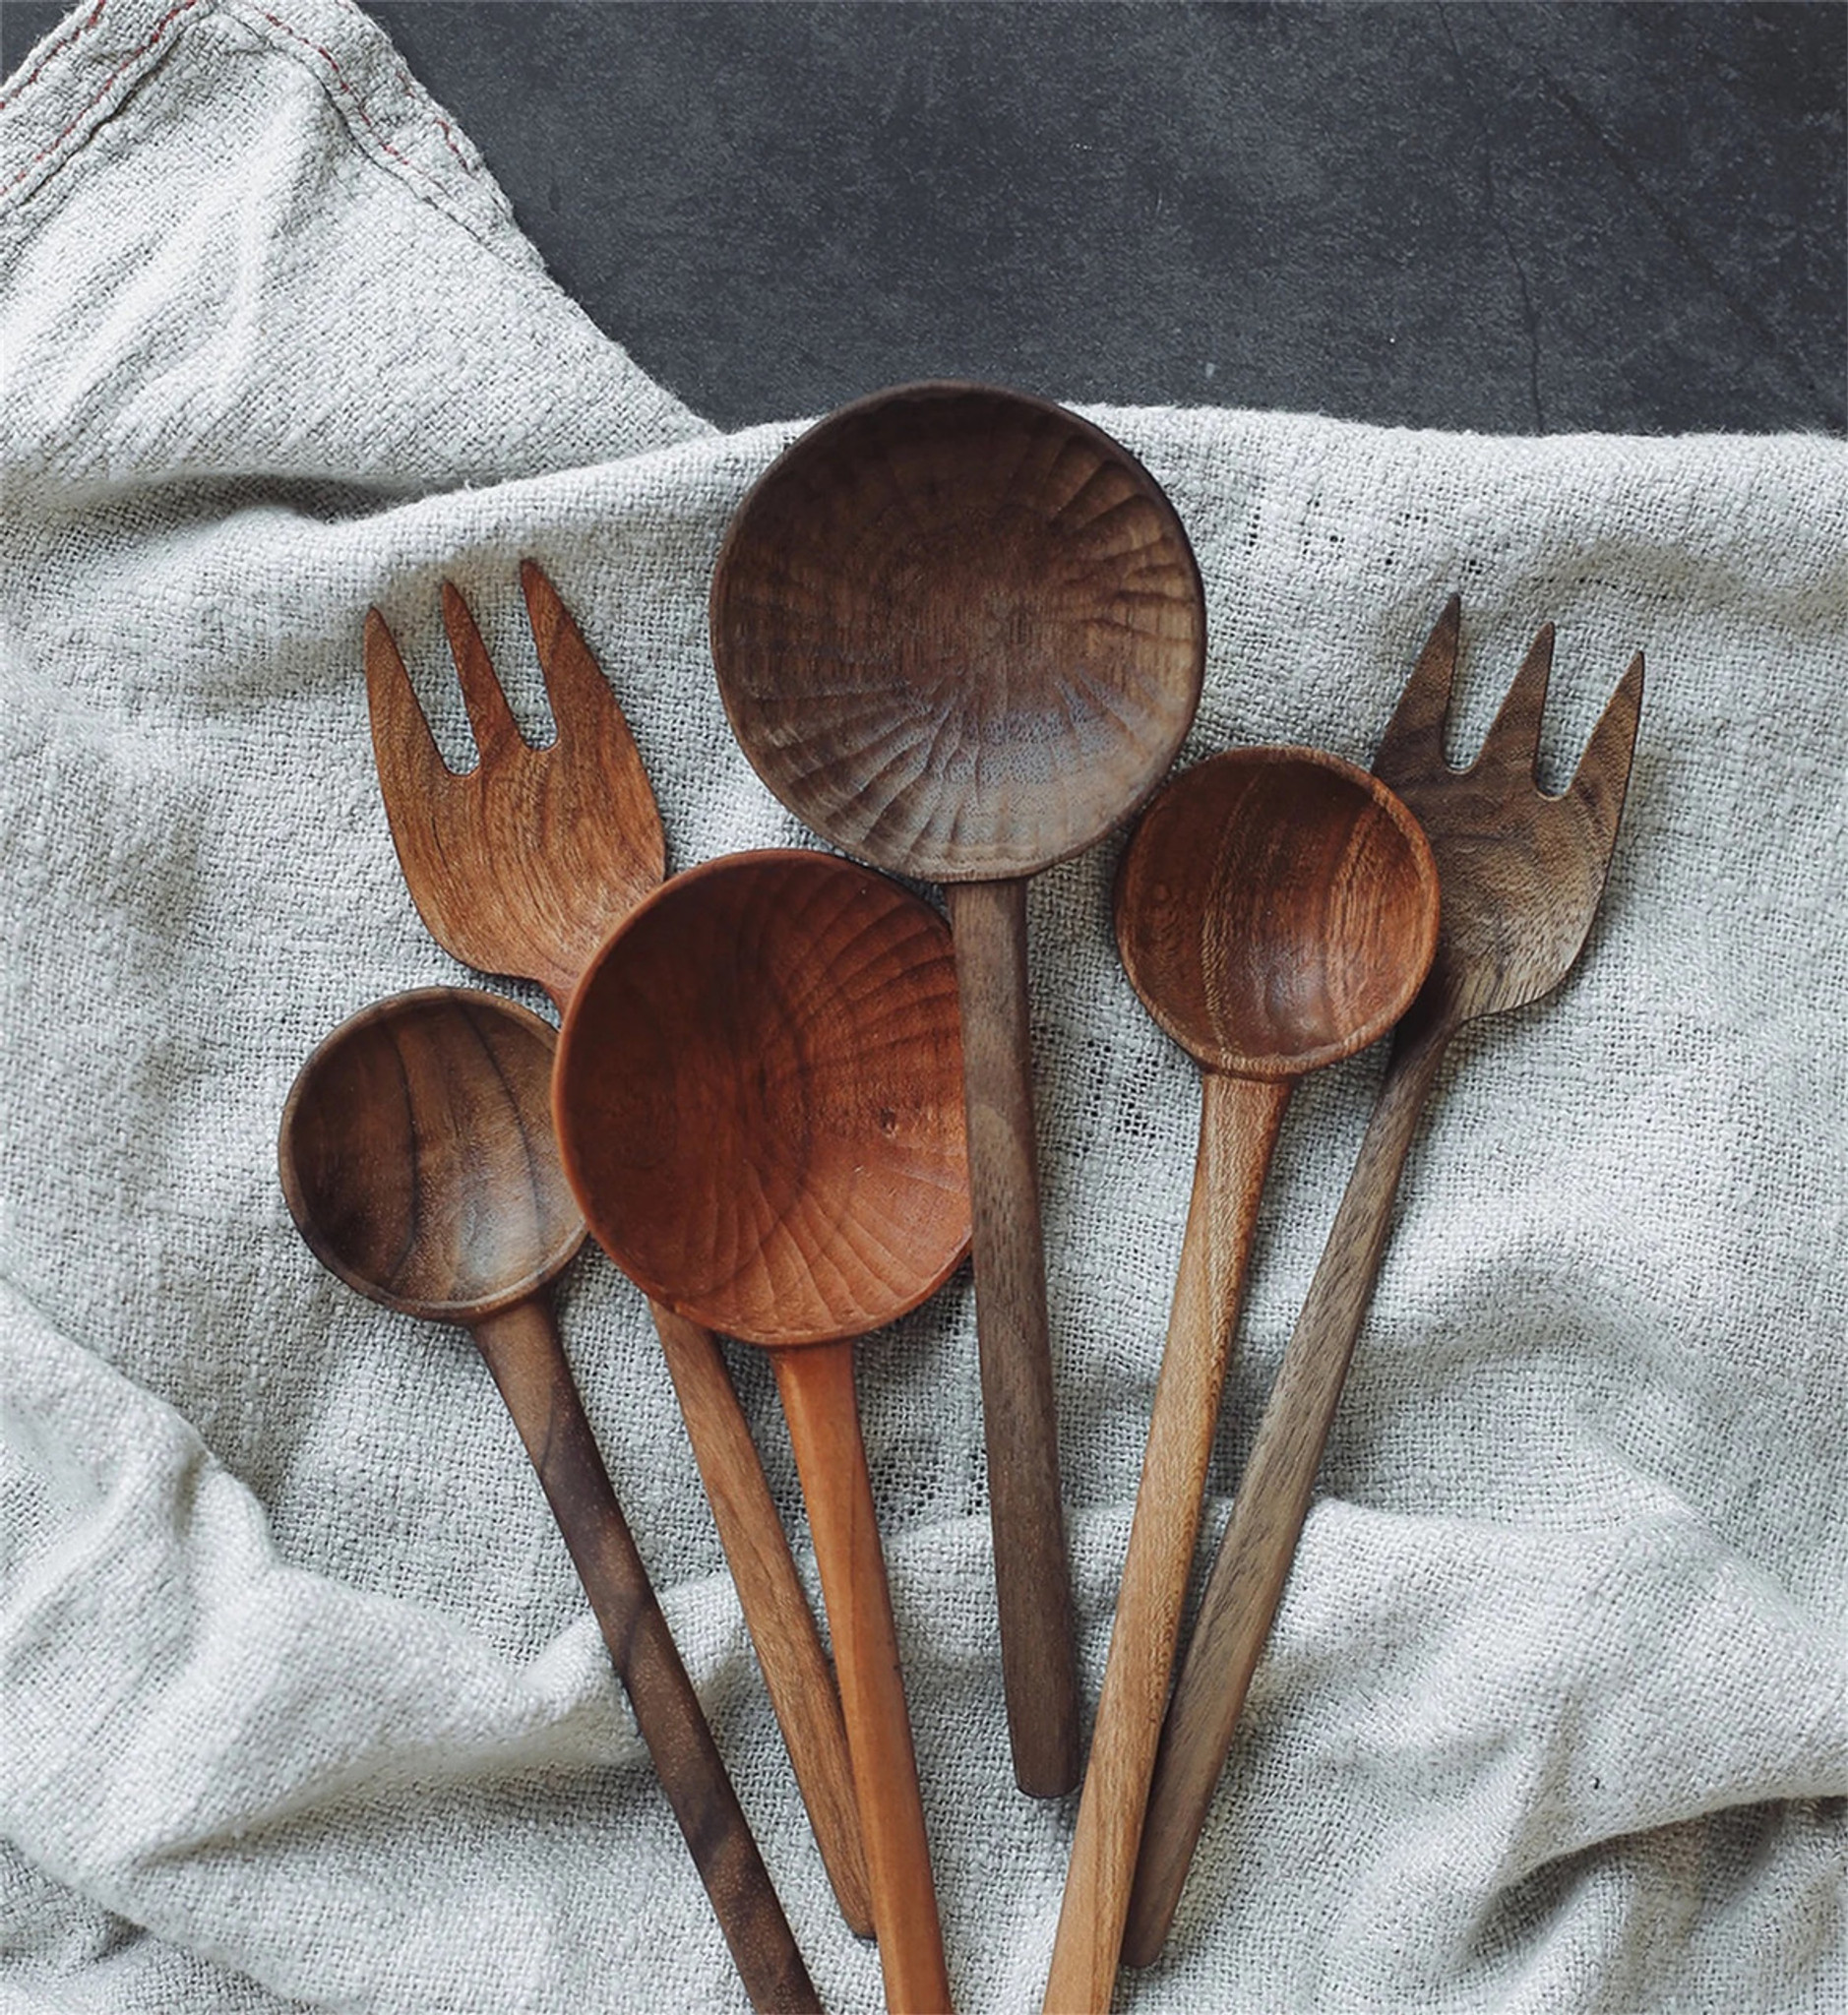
359, 106
103, 92
160, 29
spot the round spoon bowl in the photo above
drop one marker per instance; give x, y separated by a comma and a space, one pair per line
1277, 911
759, 1099
417, 1159
958, 632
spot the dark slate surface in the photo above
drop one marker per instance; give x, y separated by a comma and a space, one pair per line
1518, 218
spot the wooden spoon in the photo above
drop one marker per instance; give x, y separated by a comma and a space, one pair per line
1277, 911
417, 1158
757, 1104
960, 632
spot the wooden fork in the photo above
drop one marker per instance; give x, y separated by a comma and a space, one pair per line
1520, 874
523, 865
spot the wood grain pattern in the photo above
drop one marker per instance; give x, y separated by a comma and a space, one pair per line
1276, 910
1239, 1121
962, 634
750, 1098
417, 1158
958, 632
522, 866
797, 1675
818, 1396
1522, 873
1020, 1412
756, 1100
521, 1349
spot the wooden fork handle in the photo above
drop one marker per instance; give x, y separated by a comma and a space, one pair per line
797, 1676
1253, 1563
522, 1348
1238, 1128
1019, 1421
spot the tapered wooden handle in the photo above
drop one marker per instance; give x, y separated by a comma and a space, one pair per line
1252, 1562
796, 1673
1033, 1579
522, 1348
1239, 1121
816, 1382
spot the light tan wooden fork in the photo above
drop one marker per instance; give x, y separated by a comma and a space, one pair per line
523, 865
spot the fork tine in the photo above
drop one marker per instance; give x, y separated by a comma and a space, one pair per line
1416, 728
410, 764
573, 681
490, 715
1515, 733
1601, 781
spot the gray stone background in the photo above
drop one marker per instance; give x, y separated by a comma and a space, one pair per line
1531, 217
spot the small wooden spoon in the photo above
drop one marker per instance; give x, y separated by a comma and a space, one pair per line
962, 634
757, 1103
1277, 911
417, 1158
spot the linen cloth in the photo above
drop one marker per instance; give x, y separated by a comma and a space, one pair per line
300, 1700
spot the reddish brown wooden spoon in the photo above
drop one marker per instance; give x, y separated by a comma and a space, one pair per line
1277, 911
417, 1158
757, 1103
960, 632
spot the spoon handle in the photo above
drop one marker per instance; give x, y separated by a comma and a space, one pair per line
522, 1348
1246, 1584
796, 1673
1032, 1579
816, 1382
1238, 1128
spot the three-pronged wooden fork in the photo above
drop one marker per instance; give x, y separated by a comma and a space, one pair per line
1519, 874
523, 865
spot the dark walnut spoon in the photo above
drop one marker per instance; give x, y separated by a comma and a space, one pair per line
417, 1159
757, 1107
1277, 911
960, 632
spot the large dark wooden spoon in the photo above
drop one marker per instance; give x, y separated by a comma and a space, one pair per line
1277, 911
417, 1158
962, 634
758, 1105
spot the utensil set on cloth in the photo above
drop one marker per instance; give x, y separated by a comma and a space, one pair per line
960, 632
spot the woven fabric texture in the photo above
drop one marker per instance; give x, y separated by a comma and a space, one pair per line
299, 1698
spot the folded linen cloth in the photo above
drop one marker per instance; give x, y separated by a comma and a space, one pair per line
300, 1700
